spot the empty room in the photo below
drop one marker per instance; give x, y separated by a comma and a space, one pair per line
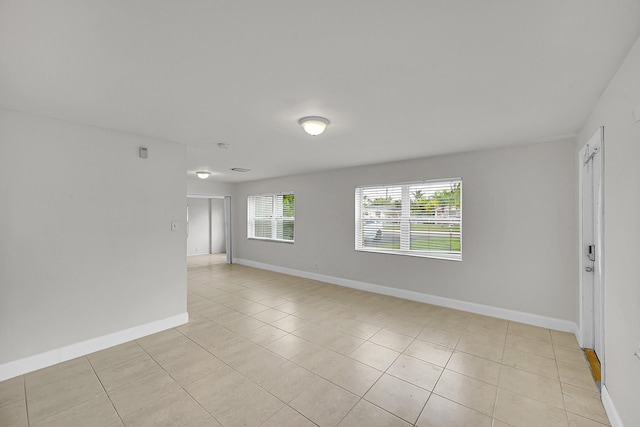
296, 213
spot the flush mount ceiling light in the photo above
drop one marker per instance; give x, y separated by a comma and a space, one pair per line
313, 125
203, 174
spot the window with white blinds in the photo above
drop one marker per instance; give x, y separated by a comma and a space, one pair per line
416, 218
271, 217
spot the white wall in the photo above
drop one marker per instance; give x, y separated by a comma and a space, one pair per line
198, 237
519, 229
208, 187
621, 234
86, 247
218, 239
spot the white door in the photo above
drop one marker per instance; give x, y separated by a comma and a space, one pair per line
592, 209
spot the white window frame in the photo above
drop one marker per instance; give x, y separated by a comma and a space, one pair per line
405, 219
275, 217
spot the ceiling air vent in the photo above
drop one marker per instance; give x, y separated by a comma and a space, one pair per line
240, 170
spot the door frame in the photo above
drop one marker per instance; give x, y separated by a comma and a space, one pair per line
589, 307
227, 220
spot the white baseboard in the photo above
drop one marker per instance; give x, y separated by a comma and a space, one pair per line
502, 313
612, 413
62, 354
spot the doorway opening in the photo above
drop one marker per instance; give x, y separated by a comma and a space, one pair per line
591, 246
209, 226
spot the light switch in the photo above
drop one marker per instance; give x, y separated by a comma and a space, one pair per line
174, 225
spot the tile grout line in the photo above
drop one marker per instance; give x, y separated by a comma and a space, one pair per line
105, 391
495, 401
176, 381
26, 402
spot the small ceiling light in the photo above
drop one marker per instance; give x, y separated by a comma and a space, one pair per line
203, 174
313, 125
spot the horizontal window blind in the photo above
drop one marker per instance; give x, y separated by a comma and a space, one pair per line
417, 218
271, 217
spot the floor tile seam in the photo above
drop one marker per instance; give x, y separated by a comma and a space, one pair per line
590, 389
434, 384
406, 381
575, 346
531, 352
411, 423
137, 379
39, 420
237, 311
16, 400
165, 371
492, 416
507, 346
383, 371
270, 308
183, 386
324, 377
360, 399
228, 365
195, 400
199, 295
424, 407
26, 403
471, 328
568, 383
120, 362
345, 333
456, 350
293, 409
432, 343
529, 372
422, 360
469, 376
502, 365
590, 418
289, 332
530, 337
582, 363
105, 390
502, 420
564, 408
387, 347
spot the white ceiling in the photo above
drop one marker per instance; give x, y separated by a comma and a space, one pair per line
397, 79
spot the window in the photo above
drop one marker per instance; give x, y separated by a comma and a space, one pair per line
417, 218
271, 217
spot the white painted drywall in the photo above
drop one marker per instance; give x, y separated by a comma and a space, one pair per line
218, 240
519, 229
208, 187
198, 237
86, 247
614, 111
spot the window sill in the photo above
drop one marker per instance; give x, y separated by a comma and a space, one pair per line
261, 239
435, 255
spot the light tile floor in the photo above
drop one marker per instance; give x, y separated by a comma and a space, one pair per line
267, 349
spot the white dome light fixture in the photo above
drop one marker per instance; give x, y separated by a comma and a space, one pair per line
203, 174
313, 125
